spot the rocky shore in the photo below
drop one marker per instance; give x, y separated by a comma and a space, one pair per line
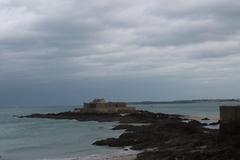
166, 137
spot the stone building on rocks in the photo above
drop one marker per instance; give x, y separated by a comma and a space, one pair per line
102, 106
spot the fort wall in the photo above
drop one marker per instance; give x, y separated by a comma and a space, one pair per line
230, 119
102, 106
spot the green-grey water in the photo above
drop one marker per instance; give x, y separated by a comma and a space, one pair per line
33, 139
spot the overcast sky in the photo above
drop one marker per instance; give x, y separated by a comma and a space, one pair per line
69, 51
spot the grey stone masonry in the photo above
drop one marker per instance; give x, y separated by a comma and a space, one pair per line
230, 119
102, 106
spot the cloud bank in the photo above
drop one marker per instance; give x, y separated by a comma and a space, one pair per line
168, 42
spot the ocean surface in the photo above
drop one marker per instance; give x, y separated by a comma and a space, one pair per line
43, 139
201, 109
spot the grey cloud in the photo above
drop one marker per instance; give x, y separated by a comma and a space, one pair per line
62, 42
199, 21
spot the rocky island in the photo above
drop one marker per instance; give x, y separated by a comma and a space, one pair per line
160, 137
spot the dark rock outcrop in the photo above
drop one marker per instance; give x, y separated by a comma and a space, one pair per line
214, 123
138, 117
171, 139
166, 137
205, 119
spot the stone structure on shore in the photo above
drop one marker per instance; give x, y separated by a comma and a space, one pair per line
230, 119
102, 106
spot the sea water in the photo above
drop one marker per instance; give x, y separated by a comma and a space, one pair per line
200, 109
45, 139
40, 139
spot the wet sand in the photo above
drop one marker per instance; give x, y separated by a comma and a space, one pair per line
199, 118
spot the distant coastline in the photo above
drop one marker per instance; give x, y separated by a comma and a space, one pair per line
186, 101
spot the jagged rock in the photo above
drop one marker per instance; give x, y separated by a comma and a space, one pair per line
205, 119
214, 123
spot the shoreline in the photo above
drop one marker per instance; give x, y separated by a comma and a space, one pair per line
199, 118
123, 157
120, 156
166, 135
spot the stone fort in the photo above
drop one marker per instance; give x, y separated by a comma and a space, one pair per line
102, 106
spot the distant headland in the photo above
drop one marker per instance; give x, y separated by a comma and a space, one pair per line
186, 101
